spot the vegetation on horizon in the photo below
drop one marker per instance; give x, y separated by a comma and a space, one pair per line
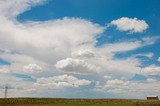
75, 102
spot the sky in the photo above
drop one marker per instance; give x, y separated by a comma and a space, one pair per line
80, 48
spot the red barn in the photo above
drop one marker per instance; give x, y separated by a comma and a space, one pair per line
152, 98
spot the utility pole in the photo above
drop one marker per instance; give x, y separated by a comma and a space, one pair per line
6, 89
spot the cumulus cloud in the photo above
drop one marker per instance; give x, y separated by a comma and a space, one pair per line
122, 88
86, 53
108, 77
32, 68
50, 43
118, 67
104, 56
116, 86
76, 66
21, 63
4, 70
60, 82
151, 70
133, 25
53, 41
151, 80
67, 43
116, 83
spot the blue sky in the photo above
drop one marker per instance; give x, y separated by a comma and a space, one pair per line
80, 48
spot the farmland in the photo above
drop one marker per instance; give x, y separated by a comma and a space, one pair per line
75, 102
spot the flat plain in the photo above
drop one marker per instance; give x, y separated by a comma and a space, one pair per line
76, 102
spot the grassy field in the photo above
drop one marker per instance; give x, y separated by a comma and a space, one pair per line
75, 102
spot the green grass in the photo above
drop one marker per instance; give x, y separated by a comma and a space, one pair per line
75, 102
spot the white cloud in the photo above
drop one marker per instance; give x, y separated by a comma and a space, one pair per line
121, 46
133, 25
17, 87
123, 88
19, 58
116, 86
151, 80
151, 70
4, 70
60, 82
108, 77
32, 68
129, 45
118, 67
104, 56
76, 66
55, 40
69, 43
149, 55
51, 42
84, 53
158, 59
21, 63
11, 8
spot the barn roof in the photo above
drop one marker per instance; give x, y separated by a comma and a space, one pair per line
152, 96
